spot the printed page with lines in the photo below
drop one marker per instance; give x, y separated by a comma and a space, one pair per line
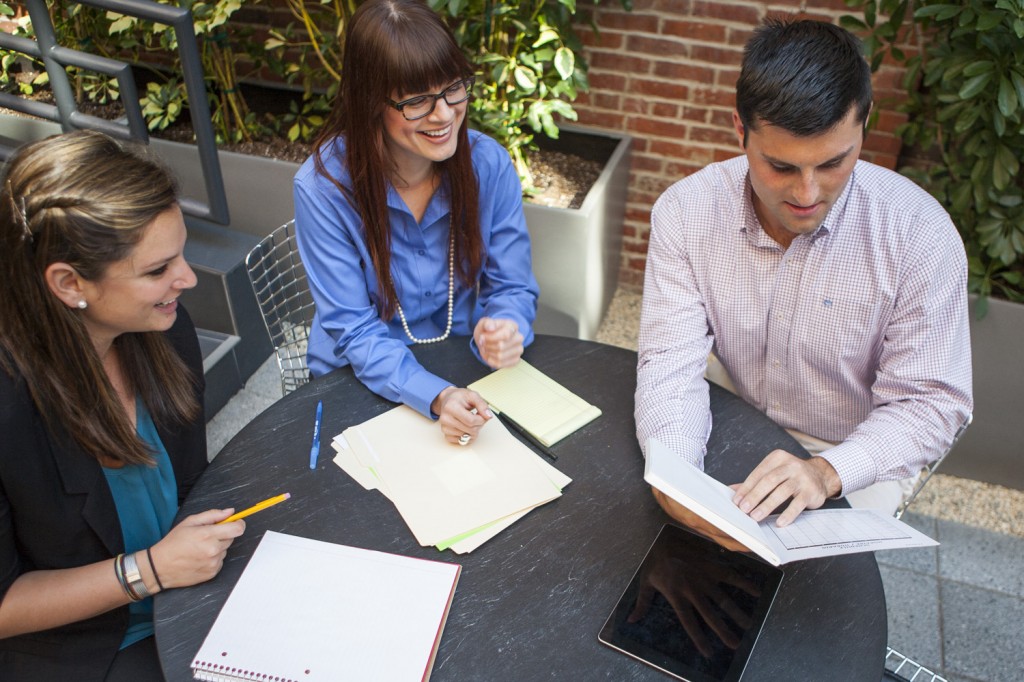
829, 532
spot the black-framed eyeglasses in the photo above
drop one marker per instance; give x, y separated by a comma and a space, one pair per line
423, 105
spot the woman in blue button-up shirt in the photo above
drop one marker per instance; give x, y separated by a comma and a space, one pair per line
411, 226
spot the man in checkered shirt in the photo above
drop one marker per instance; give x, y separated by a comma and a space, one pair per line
832, 291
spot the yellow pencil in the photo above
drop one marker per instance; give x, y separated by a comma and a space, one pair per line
260, 506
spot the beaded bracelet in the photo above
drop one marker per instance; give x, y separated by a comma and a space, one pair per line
152, 566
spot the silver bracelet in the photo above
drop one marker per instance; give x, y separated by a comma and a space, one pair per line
119, 573
134, 577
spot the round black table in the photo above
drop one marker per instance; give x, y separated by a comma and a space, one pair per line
531, 601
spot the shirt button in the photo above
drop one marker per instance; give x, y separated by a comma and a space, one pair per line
422, 252
428, 293
775, 363
775, 405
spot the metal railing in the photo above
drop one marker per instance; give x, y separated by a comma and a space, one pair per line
56, 57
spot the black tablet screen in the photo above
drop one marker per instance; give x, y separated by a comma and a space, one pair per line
693, 609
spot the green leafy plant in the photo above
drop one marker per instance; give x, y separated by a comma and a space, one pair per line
99, 88
303, 120
308, 50
151, 45
531, 65
229, 111
965, 84
17, 74
163, 103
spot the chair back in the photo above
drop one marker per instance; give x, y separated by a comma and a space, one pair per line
282, 291
927, 472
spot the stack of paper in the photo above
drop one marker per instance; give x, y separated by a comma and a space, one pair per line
310, 610
538, 403
449, 495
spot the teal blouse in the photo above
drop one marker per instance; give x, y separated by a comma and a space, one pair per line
146, 498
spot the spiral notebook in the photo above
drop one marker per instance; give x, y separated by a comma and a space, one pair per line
311, 611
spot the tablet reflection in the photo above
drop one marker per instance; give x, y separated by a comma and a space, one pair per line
695, 604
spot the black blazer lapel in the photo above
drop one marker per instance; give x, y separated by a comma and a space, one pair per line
82, 475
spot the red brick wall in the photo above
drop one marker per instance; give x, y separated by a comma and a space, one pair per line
665, 73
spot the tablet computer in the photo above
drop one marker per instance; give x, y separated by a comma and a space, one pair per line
693, 609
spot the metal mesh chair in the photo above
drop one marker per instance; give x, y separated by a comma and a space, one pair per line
282, 291
900, 668
897, 666
927, 472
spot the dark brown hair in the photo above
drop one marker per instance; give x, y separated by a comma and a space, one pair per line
398, 46
802, 76
83, 199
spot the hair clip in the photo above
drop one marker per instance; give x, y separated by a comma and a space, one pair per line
20, 212
23, 214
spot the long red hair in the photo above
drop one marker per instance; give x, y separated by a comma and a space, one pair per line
398, 46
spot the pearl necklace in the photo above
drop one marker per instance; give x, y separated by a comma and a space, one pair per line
451, 295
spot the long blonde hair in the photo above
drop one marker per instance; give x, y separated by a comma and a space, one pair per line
83, 199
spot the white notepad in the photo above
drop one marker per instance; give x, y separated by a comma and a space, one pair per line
311, 611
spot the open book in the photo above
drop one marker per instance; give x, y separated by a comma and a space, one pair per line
310, 610
815, 533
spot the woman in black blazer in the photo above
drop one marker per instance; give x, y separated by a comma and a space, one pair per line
100, 409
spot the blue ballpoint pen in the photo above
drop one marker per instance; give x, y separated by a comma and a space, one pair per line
314, 452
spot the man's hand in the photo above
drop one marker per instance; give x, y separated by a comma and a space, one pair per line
696, 523
781, 476
499, 342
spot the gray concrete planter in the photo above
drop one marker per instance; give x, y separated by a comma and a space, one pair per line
992, 449
259, 190
576, 252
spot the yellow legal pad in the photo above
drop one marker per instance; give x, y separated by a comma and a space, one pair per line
538, 403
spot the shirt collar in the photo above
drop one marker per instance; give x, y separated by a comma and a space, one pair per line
437, 209
751, 226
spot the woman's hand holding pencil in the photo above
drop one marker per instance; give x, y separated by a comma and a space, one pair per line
194, 550
259, 506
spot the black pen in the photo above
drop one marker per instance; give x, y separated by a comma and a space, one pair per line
509, 421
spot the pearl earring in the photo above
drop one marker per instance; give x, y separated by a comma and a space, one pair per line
82, 305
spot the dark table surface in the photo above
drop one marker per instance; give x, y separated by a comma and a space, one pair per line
531, 601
